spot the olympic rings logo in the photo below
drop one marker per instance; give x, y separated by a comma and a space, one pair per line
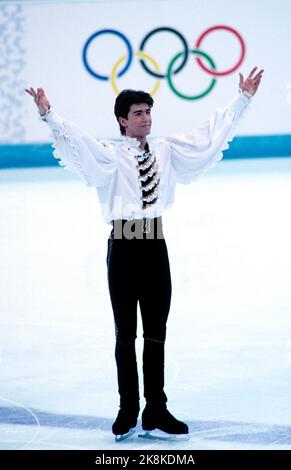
177, 63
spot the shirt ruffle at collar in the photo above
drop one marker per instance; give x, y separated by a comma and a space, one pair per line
134, 143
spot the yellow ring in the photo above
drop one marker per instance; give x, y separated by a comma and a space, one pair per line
143, 55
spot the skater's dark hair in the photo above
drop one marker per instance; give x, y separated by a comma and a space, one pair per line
124, 101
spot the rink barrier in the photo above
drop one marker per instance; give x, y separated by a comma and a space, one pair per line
39, 155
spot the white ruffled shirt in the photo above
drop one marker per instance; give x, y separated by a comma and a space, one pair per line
112, 166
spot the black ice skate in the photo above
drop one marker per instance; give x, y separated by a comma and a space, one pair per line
161, 419
124, 425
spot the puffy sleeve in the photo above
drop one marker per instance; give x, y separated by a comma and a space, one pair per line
193, 154
80, 153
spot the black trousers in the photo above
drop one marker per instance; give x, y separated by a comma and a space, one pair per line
139, 272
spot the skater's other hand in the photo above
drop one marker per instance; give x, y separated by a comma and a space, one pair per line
40, 99
252, 82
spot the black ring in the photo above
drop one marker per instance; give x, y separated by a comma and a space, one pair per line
159, 30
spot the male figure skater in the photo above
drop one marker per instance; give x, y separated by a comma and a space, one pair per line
135, 181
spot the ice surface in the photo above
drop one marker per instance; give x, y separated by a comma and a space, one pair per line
228, 347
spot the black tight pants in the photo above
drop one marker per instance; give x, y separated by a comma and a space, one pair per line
139, 271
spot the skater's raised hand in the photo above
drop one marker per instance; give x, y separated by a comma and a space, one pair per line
40, 99
251, 83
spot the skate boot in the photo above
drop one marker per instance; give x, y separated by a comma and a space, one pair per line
123, 426
161, 419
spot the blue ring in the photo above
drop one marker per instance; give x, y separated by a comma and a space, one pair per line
88, 42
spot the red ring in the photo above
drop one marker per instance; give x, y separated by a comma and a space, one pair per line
236, 66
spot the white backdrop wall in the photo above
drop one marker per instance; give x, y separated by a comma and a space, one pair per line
41, 46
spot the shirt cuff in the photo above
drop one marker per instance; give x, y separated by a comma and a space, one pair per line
51, 118
245, 93
239, 104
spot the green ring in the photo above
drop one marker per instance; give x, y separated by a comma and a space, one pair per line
193, 97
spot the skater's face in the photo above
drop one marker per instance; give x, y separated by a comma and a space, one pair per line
139, 121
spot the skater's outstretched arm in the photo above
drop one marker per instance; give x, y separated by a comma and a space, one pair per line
192, 154
82, 154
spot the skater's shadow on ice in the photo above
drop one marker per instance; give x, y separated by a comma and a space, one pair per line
231, 431
23, 416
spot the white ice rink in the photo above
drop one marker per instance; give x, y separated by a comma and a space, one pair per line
228, 368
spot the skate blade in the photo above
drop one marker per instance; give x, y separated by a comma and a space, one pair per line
123, 437
163, 436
